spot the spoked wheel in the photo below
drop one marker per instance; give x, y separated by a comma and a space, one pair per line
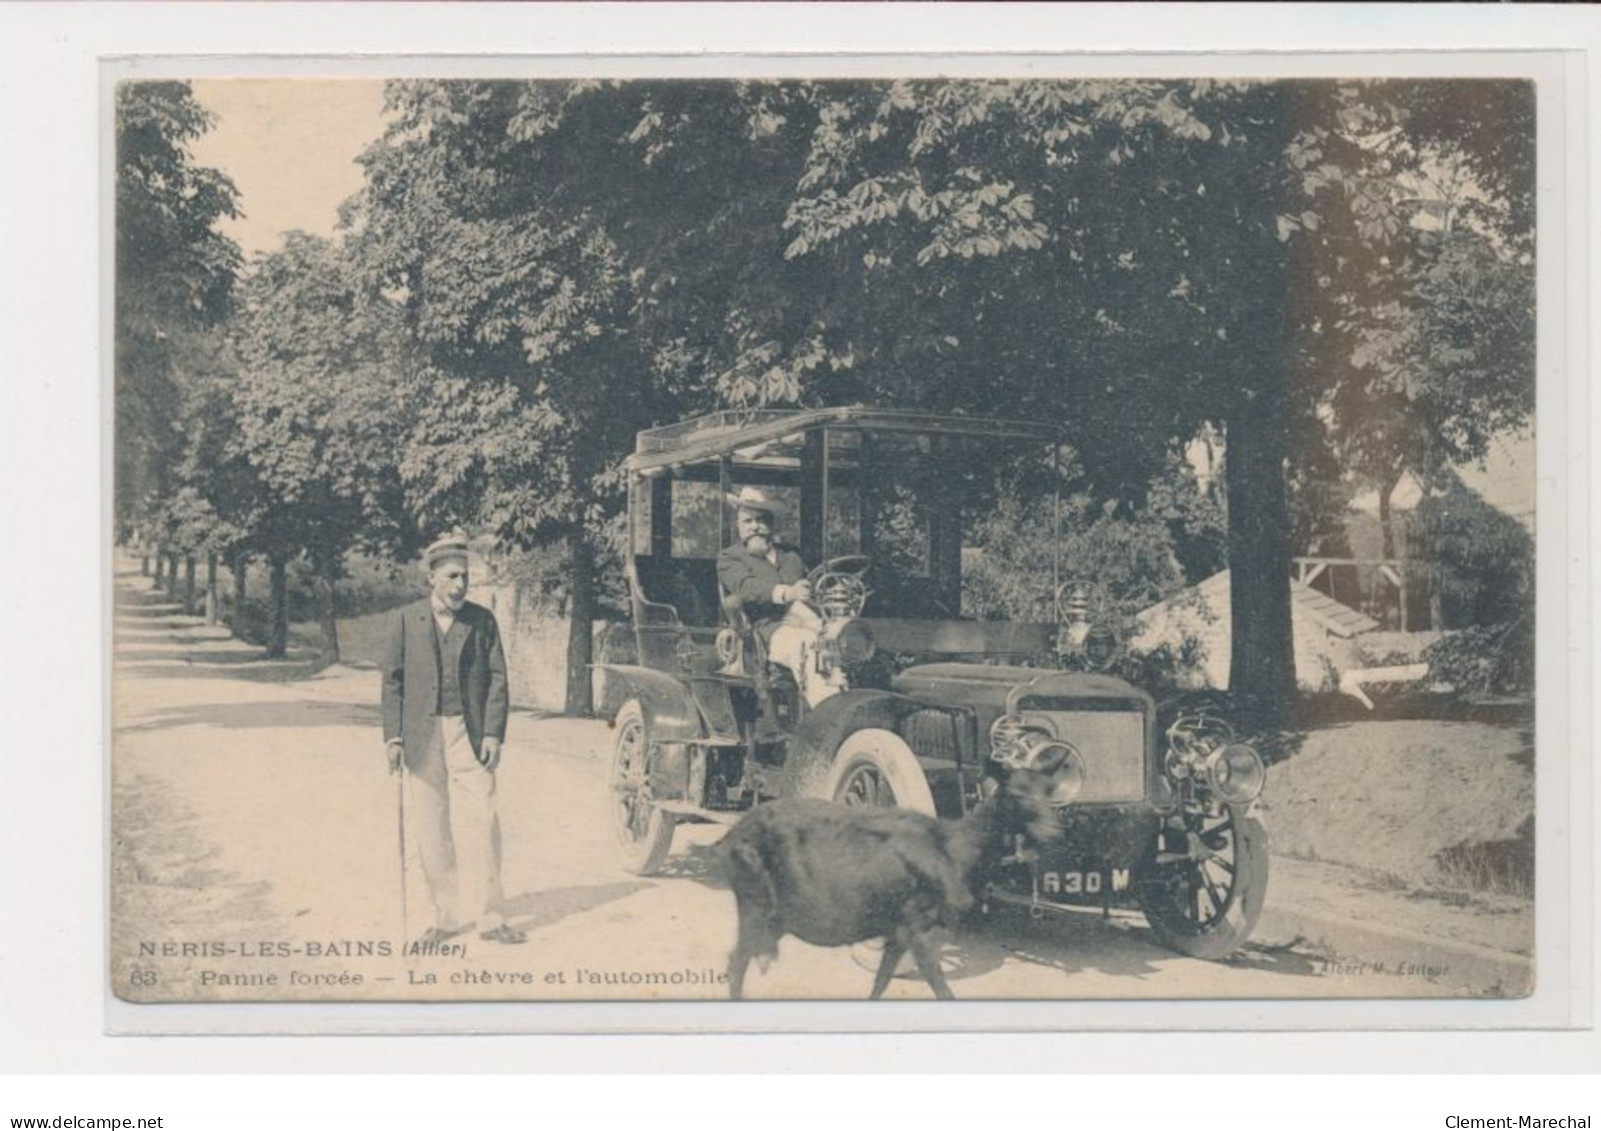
644, 833
1202, 887
866, 785
876, 768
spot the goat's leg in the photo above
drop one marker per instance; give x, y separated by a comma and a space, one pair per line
928, 962
738, 963
893, 949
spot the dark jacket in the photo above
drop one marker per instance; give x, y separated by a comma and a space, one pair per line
411, 677
751, 578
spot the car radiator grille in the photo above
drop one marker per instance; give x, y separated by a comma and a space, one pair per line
1112, 745
935, 734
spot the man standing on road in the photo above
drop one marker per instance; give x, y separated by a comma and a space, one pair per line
445, 702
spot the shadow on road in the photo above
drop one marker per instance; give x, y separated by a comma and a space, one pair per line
189, 630
1123, 950
1057, 943
1274, 960
306, 713
167, 882
699, 863
1070, 944
1065, 944
243, 661
535, 909
218, 658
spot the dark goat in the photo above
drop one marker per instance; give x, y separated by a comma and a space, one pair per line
832, 875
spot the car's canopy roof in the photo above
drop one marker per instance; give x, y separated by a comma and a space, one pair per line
722, 433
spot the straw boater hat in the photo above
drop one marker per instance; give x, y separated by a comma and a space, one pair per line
756, 499
452, 545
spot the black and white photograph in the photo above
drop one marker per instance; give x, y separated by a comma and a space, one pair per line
642, 539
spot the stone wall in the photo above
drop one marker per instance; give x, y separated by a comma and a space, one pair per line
536, 651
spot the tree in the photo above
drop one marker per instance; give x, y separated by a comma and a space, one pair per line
1010, 575
209, 505
1116, 251
1484, 559
174, 273
1142, 261
1204, 249
317, 418
520, 306
1446, 363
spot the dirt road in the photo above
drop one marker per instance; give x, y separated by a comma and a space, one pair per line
256, 857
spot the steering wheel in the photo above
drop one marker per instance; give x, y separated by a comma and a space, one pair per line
838, 587
852, 565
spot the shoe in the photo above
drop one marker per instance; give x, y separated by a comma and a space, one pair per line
434, 936
505, 933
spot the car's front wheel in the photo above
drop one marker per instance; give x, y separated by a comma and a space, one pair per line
1202, 887
876, 768
644, 833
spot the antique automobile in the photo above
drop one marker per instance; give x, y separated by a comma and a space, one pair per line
936, 707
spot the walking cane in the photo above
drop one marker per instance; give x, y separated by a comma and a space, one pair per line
400, 824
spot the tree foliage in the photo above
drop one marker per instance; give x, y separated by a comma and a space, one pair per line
319, 405
1442, 358
1482, 559
319, 411
174, 273
1312, 276
1207, 253
1009, 574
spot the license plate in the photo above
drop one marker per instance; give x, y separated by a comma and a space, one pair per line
1084, 883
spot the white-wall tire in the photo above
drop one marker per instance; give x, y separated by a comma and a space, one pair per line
876, 768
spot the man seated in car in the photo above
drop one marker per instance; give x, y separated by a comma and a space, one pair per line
770, 581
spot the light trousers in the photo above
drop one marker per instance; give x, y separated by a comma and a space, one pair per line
456, 830
794, 645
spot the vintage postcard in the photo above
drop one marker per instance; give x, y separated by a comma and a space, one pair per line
688, 539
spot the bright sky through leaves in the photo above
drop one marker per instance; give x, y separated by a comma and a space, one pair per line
290, 146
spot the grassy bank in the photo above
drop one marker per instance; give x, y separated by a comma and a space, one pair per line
1420, 803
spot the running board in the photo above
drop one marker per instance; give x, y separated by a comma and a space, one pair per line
715, 816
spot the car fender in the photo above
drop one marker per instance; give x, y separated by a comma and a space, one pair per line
668, 705
812, 746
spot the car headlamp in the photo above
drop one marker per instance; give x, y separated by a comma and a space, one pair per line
1236, 773
1203, 748
1019, 746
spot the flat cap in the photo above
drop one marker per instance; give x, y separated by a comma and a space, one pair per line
452, 545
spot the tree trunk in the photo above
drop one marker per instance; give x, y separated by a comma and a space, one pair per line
144, 563
1428, 514
188, 585
211, 589
1262, 656
241, 569
278, 632
1386, 520
1277, 275
326, 619
1387, 549
161, 565
581, 633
